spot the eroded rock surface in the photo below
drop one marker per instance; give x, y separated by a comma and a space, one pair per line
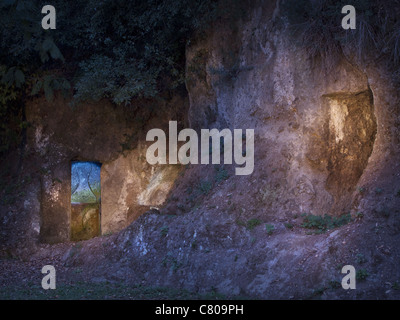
326, 142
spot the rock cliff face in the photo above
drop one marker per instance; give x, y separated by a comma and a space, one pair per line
315, 128
326, 142
98, 132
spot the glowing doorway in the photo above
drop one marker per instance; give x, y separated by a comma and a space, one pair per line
85, 200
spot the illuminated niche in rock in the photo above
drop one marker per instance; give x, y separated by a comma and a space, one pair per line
85, 200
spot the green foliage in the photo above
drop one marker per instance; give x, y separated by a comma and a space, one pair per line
7, 94
205, 187
48, 49
13, 76
241, 223
270, 228
49, 84
362, 274
360, 258
359, 215
288, 225
12, 122
252, 223
24, 47
130, 49
21, 32
221, 174
87, 196
323, 223
115, 79
396, 285
111, 49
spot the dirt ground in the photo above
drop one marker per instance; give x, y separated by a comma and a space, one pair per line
300, 263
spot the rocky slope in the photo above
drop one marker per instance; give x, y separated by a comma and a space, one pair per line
326, 142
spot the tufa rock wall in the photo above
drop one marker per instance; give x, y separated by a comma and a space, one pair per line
105, 133
315, 123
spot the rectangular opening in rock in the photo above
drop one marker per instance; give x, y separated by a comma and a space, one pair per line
85, 200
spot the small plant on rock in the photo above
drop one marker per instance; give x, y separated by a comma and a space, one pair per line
252, 223
323, 223
359, 215
221, 174
288, 225
362, 274
270, 228
205, 187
